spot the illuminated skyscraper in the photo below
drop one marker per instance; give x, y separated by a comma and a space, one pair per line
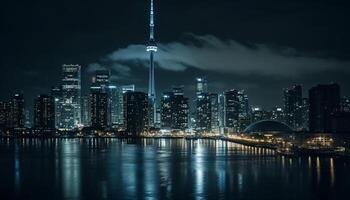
71, 94
203, 106
214, 99
174, 110
85, 111
202, 85
293, 101
56, 93
152, 48
120, 105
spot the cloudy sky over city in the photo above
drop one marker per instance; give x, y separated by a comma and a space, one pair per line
259, 46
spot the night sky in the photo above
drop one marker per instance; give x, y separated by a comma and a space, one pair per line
259, 46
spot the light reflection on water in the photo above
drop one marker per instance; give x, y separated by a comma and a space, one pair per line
162, 169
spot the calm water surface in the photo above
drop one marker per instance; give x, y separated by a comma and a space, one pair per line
162, 169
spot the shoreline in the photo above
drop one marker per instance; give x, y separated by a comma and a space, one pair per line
237, 141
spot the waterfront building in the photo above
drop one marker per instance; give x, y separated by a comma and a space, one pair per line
324, 102
214, 101
244, 110
85, 111
174, 110
44, 112
231, 110
135, 113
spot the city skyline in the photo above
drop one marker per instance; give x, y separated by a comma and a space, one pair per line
310, 46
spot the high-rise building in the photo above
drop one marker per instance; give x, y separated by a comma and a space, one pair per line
174, 110
221, 101
101, 79
44, 112
201, 85
345, 104
152, 49
99, 107
113, 104
71, 96
324, 102
244, 110
305, 114
135, 113
5, 115
259, 114
231, 110
85, 111
18, 111
277, 114
293, 106
202, 105
120, 106
203, 112
214, 101
56, 93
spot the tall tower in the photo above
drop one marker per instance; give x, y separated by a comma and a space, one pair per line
152, 48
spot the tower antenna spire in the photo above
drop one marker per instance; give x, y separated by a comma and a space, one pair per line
152, 48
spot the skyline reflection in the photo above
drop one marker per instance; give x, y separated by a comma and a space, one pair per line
161, 169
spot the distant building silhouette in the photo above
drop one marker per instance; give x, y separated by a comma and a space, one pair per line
44, 112
5, 115
17, 113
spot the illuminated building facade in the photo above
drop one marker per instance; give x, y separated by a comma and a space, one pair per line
174, 110
71, 97
293, 102
56, 93
44, 112
121, 90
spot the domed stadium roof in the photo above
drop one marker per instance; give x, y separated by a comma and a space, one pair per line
268, 126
